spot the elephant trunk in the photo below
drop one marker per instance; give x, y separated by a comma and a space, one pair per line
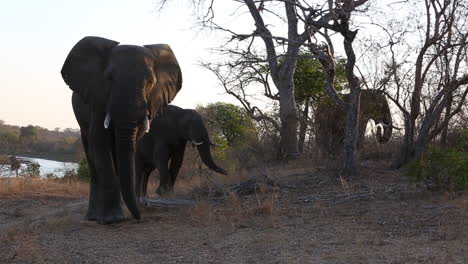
205, 154
125, 147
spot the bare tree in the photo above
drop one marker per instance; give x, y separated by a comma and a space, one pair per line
430, 89
252, 51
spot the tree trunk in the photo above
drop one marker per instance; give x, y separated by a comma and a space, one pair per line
448, 109
303, 126
352, 108
427, 124
351, 135
407, 147
288, 116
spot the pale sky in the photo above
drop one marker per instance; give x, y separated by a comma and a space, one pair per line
36, 36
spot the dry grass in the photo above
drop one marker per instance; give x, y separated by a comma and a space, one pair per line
20, 243
234, 210
36, 186
313, 218
22, 248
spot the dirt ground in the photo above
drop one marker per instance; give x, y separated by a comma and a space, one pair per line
309, 217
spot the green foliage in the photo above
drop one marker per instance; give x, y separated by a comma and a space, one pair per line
35, 141
72, 174
310, 80
227, 123
232, 130
83, 171
33, 169
15, 164
29, 134
443, 168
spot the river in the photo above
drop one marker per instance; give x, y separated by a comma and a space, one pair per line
57, 168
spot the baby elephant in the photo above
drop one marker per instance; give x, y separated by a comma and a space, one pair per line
166, 141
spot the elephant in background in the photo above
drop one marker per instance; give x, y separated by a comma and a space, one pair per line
330, 121
117, 90
166, 142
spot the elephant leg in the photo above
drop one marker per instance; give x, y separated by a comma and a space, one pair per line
91, 214
164, 176
176, 163
361, 133
142, 182
82, 114
145, 178
138, 176
108, 207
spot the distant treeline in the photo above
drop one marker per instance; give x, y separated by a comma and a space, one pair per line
39, 142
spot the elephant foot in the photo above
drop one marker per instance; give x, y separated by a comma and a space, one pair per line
91, 214
90, 217
111, 219
165, 190
143, 201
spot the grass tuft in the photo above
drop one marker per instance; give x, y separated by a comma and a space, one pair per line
38, 186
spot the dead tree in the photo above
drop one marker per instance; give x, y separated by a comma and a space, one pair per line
280, 52
431, 89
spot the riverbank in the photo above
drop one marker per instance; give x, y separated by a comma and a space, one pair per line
60, 157
46, 167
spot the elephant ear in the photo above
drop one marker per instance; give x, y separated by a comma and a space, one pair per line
168, 78
83, 70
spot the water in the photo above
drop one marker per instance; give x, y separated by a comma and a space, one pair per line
57, 168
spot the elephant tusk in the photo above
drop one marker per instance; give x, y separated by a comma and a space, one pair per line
107, 121
197, 143
146, 124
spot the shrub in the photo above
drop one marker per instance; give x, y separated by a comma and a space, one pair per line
443, 168
83, 172
33, 169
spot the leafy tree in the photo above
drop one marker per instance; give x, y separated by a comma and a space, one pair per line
231, 128
29, 134
443, 168
15, 164
228, 122
265, 42
33, 169
9, 142
309, 82
310, 79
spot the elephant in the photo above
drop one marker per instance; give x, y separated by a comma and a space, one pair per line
330, 121
166, 141
117, 91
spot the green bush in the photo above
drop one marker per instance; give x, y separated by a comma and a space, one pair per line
33, 169
443, 169
83, 172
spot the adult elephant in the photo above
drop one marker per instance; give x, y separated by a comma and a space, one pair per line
117, 90
166, 142
330, 121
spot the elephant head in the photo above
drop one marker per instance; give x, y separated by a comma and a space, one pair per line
374, 106
196, 132
330, 121
125, 87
